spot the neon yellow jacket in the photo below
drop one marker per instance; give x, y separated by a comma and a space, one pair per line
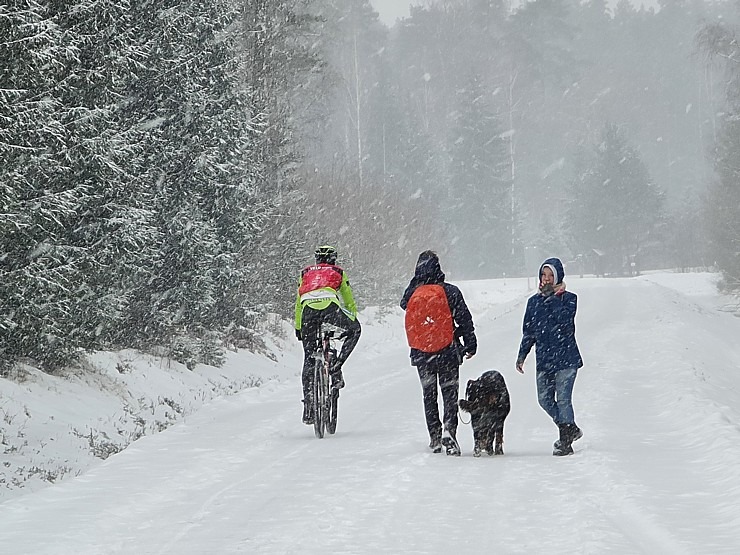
321, 285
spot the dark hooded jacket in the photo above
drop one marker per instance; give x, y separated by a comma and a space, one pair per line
549, 324
428, 271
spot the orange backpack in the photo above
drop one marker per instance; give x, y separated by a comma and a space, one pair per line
429, 326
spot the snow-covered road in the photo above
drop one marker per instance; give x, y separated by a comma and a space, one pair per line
656, 471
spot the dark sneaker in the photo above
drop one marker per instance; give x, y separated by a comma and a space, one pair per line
450, 445
477, 451
435, 444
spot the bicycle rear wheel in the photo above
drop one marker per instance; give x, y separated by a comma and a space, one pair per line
318, 401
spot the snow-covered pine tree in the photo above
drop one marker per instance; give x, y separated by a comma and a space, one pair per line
113, 229
30, 43
62, 169
719, 41
374, 188
723, 201
478, 204
281, 71
537, 47
614, 205
194, 124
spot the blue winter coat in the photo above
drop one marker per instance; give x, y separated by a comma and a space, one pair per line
549, 323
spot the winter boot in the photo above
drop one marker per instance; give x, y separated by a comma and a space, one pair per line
435, 444
562, 446
576, 432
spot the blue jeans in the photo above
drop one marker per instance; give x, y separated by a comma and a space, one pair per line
554, 391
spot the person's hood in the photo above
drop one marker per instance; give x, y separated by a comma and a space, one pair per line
428, 269
556, 267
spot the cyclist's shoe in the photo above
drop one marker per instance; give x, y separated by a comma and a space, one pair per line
307, 416
450, 444
337, 380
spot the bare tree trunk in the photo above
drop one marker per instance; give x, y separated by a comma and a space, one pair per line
358, 122
385, 163
512, 151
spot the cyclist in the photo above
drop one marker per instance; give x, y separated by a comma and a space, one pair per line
324, 295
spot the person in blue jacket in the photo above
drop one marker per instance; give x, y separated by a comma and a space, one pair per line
549, 326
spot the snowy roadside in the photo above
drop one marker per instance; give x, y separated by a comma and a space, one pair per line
53, 427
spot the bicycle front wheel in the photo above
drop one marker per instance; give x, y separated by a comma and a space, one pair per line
331, 423
319, 399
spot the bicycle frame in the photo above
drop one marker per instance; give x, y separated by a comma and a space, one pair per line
324, 398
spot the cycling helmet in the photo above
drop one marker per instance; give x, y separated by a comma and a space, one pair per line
326, 255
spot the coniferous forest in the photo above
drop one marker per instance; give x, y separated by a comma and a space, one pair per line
167, 167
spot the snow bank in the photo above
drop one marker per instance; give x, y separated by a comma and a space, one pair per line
56, 426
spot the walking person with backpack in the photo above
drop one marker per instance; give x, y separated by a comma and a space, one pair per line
324, 295
549, 324
436, 319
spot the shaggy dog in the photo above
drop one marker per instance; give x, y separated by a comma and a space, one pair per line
488, 404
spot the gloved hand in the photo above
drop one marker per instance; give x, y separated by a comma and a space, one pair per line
298, 335
520, 366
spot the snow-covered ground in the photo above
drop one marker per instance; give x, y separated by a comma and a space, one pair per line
656, 472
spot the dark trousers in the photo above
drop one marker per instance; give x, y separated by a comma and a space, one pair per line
446, 373
311, 331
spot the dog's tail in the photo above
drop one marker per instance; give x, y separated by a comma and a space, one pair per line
464, 405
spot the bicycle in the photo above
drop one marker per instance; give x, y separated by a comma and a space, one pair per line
325, 398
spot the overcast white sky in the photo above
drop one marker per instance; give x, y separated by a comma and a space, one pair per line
390, 10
